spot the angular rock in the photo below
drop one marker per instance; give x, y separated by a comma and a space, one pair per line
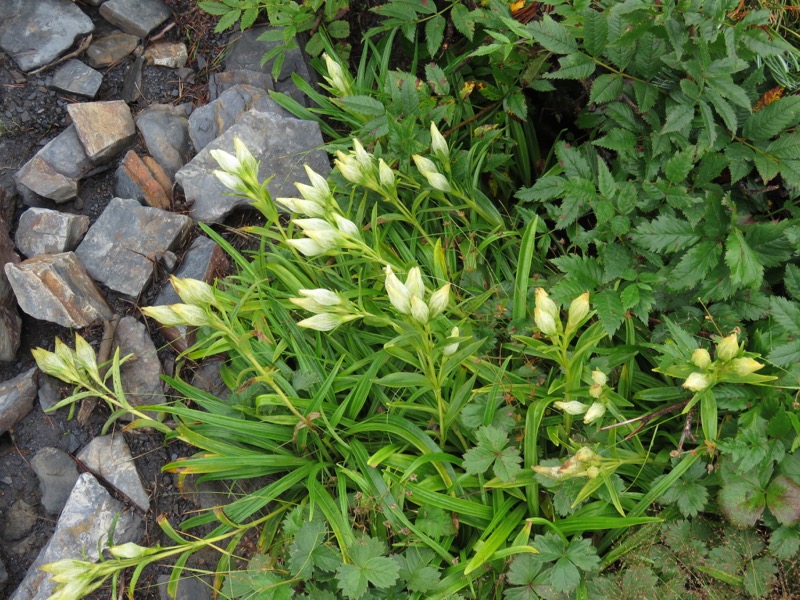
111, 49
16, 398
134, 180
137, 17
74, 77
36, 33
132, 82
49, 391
41, 178
167, 54
219, 82
3, 576
282, 146
44, 231
20, 519
10, 332
189, 588
7, 255
141, 377
120, 247
66, 155
57, 475
159, 175
104, 128
209, 122
56, 288
165, 130
86, 519
110, 457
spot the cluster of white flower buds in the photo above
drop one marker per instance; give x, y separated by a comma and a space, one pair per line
329, 309
339, 81
727, 360
547, 316
238, 172
591, 412
409, 298
196, 295
585, 463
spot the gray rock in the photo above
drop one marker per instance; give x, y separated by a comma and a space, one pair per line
3, 576
77, 78
57, 475
110, 457
111, 49
56, 288
165, 130
16, 398
246, 52
120, 247
282, 146
66, 155
204, 260
219, 82
10, 322
209, 122
49, 391
208, 377
167, 54
87, 518
36, 33
132, 82
20, 519
44, 231
137, 17
104, 128
40, 177
189, 588
141, 377
133, 179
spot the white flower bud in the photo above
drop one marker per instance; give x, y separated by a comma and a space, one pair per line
745, 366
322, 296
348, 167
229, 180
545, 304
438, 182
595, 391
385, 174
336, 76
428, 169
578, 309
363, 157
311, 194
131, 550
244, 156
701, 358
322, 322
438, 144
419, 310
414, 283
451, 349
544, 321
318, 182
439, 300
572, 407
163, 314
193, 291
592, 472
346, 226
302, 207
191, 314
307, 247
319, 230
596, 410
599, 377
227, 161
398, 294
696, 382
728, 348
585, 454
424, 165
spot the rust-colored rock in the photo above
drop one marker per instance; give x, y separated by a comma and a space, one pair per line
104, 128
159, 174
40, 177
150, 190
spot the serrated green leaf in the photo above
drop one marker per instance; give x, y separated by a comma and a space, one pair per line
214, 8
463, 20
786, 354
784, 543
679, 116
739, 158
724, 110
759, 578
619, 140
339, 30
437, 79
573, 66
434, 33
630, 296
564, 576
546, 188
791, 281
227, 20
606, 184
773, 119
742, 501
610, 311
783, 500
695, 265
516, 105
308, 551
666, 234
579, 188
415, 570
364, 105
746, 268
678, 167
606, 88
553, 36
573, 162
595, 31
435, 522
249, 17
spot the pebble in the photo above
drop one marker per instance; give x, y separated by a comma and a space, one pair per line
19, 521
74, 77
57, 475
111, 49
44, 231
165, 129
104, 128
137, 17
110, 457
141, 377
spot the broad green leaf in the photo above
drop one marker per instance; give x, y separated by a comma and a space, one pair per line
666, 234
619, 140
746, 269
339, 29
437, 78
695, 265
786, 354
573, 162
579, 188
491, 451
418, 575
606, 88
610, 311
564, 576
435, 522
742, 501
463, 20
767, 166
678, 167
573, 66
595, 31
773, 119
679, 116
786, 313
759, 578
553, 36
546, 188
783, 500
434, 33
364, 105
308, 551
784, 543
791, 281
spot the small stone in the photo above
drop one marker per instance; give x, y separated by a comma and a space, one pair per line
122, 244
10, 332
56, 288
134, 180
90, 513
57, 475
44, 231
219, 82
282, 147
41, 178
111, 49
246, 51
7, 255
167, 54
165, 130
137, 17
20, 519
104, 128
49, 391
132, 83
16, 398
110, 457
141, 377
66, 155
36, 33
189, 588
209, 122
160, 176
77, 78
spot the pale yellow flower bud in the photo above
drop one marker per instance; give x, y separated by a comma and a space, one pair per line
728, 348
318, 182
428, 169
346, 226
595, 391
585, 454
363, 157
244, 156
385, 174
439, 300
596, 410
191, 315
398, 294
592, 472
321, 296
302, 207
701, 358
545, 322
419, 310
312, 194
696, 382
348, 167
745, 366
307, 247
193, 291
438, 144
545, 304
451, 349
578, 309
414, 283
164, 315
322, 322
573, 407
599, 377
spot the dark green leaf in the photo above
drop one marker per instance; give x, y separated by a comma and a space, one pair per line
783, 500
606, 88
463, 20
784, 543
678, 167
759, 578
364, 105
595, 32
773, 119
553, 36
434, 33
679, 116
746, 269
610, 311
573, 66
695, 265
666, 234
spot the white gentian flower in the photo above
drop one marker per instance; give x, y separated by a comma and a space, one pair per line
398, 293
595, 391
317, 300
596, 410
348, 167
244, 156
302, 207
544, 321
578, 309
311, 194
745, 366
439, 300
322, 322
385, 174
319, 230
164, 315
728, 348
701, 358
573, 407
414, 283
419, 310
428, 169
193, 291
318, 182
336, 76
696, 382
346, 226
229, 180
308, 247
191, 315
451, 349
363, 157
227, 161
438, 144
599, 377
544, 303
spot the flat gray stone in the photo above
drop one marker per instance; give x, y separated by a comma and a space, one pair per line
74, 77
209, 122
120, 247
10, 332
66, 155
204, 260
219, 82
111, 49
86, 519
189, 588
246, 52
19, 521
35, 33
44, 231
141, 377
39, 176
137, 17
57, 475
56, 288
104, 128
282, 146
165, 129
49, 391
16, 398
110, 456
